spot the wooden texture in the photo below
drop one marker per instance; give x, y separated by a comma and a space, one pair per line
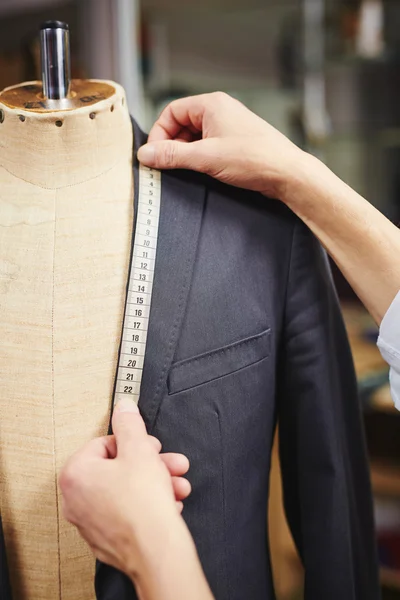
385, 479
390, 578
286, 566
366, 356
29, 96
66, 215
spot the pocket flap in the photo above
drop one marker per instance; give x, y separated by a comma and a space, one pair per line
203, 368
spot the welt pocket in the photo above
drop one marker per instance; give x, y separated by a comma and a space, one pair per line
212, 365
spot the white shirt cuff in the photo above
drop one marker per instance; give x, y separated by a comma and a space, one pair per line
389, 346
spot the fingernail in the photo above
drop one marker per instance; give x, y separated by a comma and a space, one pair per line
146, 154
126, 405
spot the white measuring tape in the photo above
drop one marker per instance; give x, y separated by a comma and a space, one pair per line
140, 287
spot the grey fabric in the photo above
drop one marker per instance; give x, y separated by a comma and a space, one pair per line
189, 373
246, 330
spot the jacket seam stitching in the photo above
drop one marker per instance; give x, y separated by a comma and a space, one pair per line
218, 377
231, 348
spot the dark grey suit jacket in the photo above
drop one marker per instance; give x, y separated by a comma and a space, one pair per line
245, 331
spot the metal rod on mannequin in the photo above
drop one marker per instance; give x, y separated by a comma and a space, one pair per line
55, 60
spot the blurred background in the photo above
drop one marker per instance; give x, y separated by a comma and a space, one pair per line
327, 74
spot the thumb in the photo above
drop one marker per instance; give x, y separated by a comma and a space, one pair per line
128, 427
171, 154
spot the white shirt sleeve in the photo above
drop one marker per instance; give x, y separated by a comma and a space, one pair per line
389, 345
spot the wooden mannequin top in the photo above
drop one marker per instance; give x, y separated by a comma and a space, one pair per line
58, 148
66, 213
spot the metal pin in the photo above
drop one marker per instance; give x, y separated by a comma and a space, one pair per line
55, 59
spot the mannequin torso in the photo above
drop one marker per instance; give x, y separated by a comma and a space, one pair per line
66, 216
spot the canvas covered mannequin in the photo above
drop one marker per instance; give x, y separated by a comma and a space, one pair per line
66, 216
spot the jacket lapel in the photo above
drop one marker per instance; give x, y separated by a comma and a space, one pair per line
182, 205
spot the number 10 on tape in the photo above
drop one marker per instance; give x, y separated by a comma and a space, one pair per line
140, 288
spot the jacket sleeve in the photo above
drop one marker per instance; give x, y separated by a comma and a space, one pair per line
326, 485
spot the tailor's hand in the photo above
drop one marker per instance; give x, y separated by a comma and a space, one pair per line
122, 495
217, 135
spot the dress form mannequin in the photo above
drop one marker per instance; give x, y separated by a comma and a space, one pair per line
66, 214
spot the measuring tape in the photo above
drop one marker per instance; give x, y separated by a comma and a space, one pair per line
140, 287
